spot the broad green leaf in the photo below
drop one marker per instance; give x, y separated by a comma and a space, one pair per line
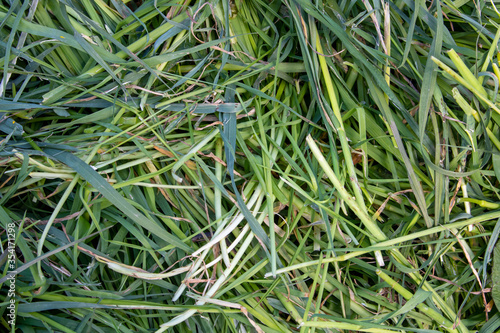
495, 276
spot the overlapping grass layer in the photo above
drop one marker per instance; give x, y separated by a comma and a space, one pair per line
237, 166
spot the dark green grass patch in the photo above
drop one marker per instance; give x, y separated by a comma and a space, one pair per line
237, 166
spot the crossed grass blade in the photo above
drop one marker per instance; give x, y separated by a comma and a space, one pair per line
298, 70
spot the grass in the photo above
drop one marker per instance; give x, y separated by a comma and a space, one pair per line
241, 166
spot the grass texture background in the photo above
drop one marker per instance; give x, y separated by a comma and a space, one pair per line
250, 166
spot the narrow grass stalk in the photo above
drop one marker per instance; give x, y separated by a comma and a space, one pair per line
344, 195
392, 242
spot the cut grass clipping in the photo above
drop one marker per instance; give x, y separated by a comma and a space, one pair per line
249, 166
